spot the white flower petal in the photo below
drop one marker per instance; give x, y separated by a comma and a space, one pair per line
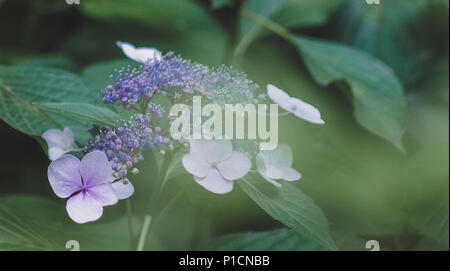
215, 183
281, 156
274, 172
306, 111
279, 97
141, 55
123, 189
212, 151
59, 142
294, 105
196, 165
235, 167
290, 174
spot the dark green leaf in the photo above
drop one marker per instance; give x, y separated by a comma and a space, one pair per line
379, 101
290, 14
217, 4
290, 206
403, 34
33, 223
167, 14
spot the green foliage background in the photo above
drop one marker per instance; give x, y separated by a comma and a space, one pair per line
378, 169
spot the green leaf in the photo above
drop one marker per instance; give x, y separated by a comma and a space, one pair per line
167, 14
34, 223
403, 34
23, 90
98, 74
275, 240
83, 113
379, 102
217, 4
290, 206
49, 61
290, 14
42, 84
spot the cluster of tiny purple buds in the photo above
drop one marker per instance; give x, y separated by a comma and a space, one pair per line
178, 78
124, 144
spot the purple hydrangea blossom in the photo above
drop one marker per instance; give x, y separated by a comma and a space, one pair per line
86, 184
123, 145
178, 78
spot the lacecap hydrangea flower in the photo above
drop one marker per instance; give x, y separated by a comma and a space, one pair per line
101, 178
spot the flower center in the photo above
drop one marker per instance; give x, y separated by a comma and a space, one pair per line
214, 165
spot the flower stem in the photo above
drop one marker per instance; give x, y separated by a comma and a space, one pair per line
267, 23
129, 220
144, 231
157, 188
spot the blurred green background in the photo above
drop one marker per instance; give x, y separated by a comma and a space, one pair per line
367, 187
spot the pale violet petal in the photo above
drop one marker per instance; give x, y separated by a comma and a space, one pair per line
306, 111
64, 177
95, 168
290, 174
55, 153
235, 167
83, 208
54, 138
279, 97
68, 138
103, 193
196, 165
123, 189
141, 55
214, 182
212, 151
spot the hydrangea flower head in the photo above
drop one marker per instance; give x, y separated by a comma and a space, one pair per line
170, 75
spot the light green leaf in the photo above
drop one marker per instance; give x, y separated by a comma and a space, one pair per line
275, 240
83, 113
290, 206
379, 102
24, 89
34, 223
290, 14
